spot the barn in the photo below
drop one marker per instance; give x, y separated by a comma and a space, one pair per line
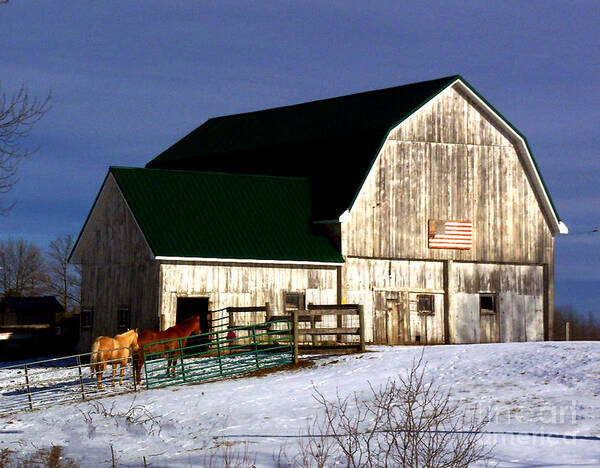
420, 202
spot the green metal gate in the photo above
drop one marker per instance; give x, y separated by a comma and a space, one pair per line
225, 353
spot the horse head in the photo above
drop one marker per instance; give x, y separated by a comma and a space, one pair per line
134, 341
196, 322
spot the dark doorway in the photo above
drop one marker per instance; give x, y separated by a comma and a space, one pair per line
188, 306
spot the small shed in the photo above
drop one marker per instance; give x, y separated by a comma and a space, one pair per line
420, 202
38, 310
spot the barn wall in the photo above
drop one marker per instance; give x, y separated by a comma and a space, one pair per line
519, 290
229, 285
377, 284
117, 269
447, 161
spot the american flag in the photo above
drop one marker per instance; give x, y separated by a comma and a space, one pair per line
445, 234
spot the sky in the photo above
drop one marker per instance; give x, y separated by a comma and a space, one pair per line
128, 79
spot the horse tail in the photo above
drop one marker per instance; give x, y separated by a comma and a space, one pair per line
95, 354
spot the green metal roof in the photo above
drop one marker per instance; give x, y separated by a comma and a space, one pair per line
225, 216
333, 142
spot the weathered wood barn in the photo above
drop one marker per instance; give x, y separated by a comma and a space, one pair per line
420, 202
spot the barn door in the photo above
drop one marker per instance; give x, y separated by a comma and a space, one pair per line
380, 319
424, 319
188, 306
488, 319
397, 320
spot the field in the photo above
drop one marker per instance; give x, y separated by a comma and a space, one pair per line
532, 389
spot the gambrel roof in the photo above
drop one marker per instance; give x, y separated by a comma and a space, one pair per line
333, 142
192, 214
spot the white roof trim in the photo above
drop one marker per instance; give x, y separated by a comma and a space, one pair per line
557, 225
244, 260
562, 228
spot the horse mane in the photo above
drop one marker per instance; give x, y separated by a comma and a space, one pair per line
127, 332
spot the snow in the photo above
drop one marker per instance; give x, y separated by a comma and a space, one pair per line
545, 388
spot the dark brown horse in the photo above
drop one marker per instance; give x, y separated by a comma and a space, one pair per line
147, 342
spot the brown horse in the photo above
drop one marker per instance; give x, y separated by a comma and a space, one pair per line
147, 343
113, 351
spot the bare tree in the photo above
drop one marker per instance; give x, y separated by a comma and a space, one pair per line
18, 113
22, 268
407, 422
63, 279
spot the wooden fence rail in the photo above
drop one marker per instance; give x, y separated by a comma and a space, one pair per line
306, 323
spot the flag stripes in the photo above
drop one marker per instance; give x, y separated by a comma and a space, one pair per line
444, 234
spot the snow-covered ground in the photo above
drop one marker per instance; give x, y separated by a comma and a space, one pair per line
550, 388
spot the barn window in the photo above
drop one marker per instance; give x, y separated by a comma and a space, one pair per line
124, 318
425, 304
487, 304
293, 301
87, 317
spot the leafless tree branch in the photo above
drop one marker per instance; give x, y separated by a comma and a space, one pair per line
18, 113
408, 422
63, 279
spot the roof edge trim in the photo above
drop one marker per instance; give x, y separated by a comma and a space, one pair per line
531, 166
245, 260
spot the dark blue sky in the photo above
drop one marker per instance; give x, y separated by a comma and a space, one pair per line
128, 79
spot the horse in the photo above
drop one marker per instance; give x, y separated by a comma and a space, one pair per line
147, 343
113, 351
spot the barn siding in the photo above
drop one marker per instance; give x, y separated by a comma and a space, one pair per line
449, 161
457, 166
231, 284
117, 267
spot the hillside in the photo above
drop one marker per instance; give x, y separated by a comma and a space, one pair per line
550, 388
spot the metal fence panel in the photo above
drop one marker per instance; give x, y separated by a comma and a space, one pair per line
253, 348
43, 383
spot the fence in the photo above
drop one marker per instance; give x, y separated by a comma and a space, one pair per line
48, 382
226, 353
321, 328
274, 342
317, 323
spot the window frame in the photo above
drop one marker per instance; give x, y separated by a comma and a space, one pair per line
124, 324
301, 300
87, 318
430, 311
486, 311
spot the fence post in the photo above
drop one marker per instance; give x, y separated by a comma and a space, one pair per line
28, 389
80, 377
568, 331
230, 319
255, 346
181, 358
145, 368
295, 334
361, 321
134, 357
219, 354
